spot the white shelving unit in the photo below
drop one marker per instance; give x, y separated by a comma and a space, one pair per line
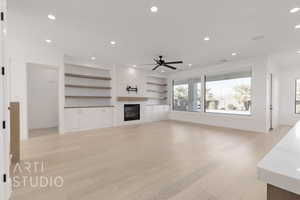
88, 102
87, 87
157, 90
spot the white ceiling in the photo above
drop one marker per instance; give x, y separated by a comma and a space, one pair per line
85, 28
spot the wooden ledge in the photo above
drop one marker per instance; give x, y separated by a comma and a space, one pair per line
132, 99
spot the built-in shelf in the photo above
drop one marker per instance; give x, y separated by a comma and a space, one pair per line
132, 98
158, 98
157, 105
157, 84
88, 76
89, 107
89, 97
156, 91
87, 87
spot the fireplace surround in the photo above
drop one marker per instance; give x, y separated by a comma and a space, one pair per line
131, 112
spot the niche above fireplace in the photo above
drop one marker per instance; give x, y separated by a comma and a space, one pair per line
131, 112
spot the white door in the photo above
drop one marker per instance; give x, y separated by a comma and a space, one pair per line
271, 103
4, 115
72, 119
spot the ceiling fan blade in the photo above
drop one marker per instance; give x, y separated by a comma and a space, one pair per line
155, 67
169, 66
175, 62
157, 61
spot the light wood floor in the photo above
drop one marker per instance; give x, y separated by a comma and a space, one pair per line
157, 161
43, 132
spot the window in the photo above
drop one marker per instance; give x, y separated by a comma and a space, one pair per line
187, 95
228, 93
180, 97
297, 96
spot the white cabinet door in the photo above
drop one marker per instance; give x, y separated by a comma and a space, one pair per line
95, 118
79, 119
160, 112
72, 120
149, 113
166, 110
106, 117
86, 118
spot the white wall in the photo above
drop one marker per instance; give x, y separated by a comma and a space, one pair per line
288, 76
21, 53
287, 70
258, 119
42, 96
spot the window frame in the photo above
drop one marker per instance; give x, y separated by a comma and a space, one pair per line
220, 113
173, 95
189, 81
203, 79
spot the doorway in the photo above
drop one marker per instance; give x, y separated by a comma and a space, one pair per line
42, 98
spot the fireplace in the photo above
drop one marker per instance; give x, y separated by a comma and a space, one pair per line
131, 112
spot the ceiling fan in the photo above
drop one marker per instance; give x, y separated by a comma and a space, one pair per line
163, 63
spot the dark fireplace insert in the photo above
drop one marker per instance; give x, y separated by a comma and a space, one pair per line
131, 112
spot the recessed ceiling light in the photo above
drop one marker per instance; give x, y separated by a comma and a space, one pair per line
298, 51
234, 54
51, 16
154, 9
298, 169
133, 65
258, 37
223, 60
93, 58
206, 39
112, 42
297, 26
294, 10
48, 41
190, 65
